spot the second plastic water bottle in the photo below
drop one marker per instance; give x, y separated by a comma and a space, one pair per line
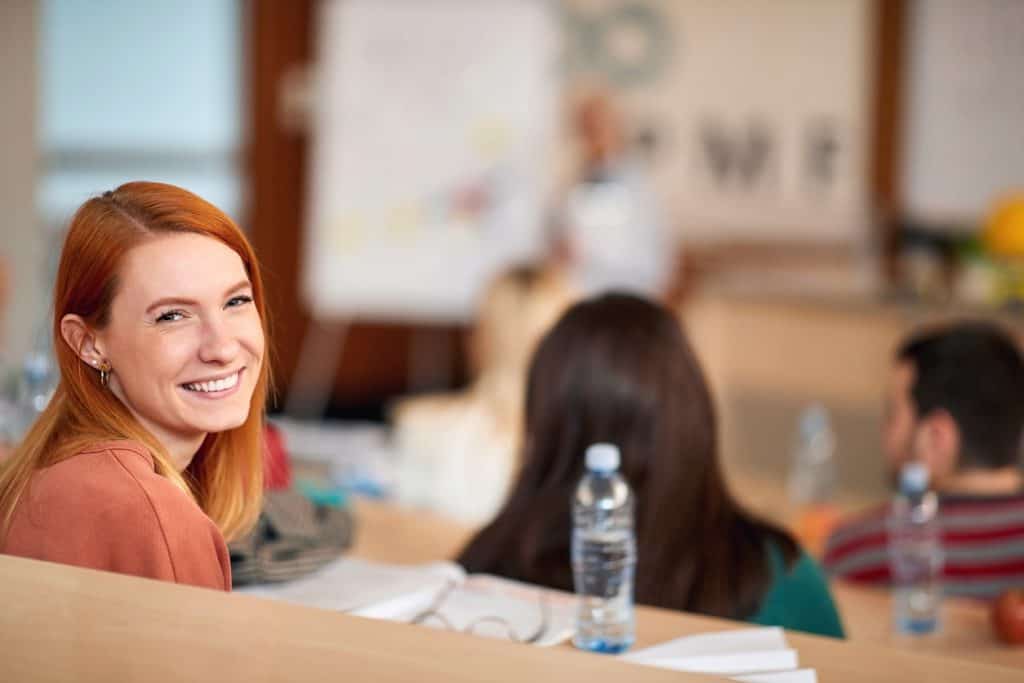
813, 477
915, 554
603, 554
35, 389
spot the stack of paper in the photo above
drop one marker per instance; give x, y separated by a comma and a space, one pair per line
753, 655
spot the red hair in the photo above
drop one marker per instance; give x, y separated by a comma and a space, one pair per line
226, 475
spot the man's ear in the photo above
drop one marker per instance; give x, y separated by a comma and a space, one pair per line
80, 337
937, 444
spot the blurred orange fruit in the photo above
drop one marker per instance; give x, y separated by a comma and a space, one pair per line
1004, 228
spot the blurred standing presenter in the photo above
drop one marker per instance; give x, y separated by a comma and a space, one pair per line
610, 233
150, 452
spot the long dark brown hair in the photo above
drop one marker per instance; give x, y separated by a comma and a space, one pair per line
619, 369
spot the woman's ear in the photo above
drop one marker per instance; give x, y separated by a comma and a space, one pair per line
79, 336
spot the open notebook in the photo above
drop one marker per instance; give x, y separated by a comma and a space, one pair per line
442, 595
439, 595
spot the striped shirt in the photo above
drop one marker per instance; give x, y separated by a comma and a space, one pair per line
983, 543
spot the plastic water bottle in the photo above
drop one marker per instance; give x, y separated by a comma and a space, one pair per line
10, 422
603, 554
813, 477
915, 554
35, 388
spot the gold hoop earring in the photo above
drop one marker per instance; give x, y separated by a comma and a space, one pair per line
105, 373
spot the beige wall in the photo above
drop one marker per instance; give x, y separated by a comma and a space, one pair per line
20, 233
767, 357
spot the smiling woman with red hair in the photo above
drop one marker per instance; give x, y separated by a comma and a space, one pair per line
149, 454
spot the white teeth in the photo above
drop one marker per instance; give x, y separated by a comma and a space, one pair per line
214, 385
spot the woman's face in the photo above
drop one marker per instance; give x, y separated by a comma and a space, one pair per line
184, 338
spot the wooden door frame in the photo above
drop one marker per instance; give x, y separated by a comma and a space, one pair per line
375, 360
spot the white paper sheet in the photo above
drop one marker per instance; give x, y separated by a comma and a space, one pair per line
715, 643
795, 676
752, 651
420, 105
738, 663
348, 584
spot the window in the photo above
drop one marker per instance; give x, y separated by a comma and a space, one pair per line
139, 90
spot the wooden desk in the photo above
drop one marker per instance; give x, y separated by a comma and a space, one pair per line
966, 632
390, 534
61, 623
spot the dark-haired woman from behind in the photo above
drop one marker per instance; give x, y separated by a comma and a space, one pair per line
619, 369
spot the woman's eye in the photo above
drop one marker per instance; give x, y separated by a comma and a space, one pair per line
170, 316
239, 300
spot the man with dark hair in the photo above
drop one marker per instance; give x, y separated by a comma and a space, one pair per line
956, 404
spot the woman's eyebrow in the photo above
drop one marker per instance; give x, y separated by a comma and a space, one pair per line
180, 301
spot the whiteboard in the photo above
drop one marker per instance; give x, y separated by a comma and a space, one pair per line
965, 107
433, 126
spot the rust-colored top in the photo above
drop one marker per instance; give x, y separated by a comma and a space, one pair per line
107, 508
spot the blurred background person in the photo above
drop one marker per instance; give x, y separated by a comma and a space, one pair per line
610, 231
150, 453
955, 405
618, 369
459, 450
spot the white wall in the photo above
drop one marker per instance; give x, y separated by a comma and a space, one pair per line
793, 73
139, 91
965, 107
21, 243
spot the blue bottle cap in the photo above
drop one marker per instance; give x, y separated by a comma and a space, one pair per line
603, 457
813, 420
914, 478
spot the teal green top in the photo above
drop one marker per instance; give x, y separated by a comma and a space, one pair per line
798, 598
